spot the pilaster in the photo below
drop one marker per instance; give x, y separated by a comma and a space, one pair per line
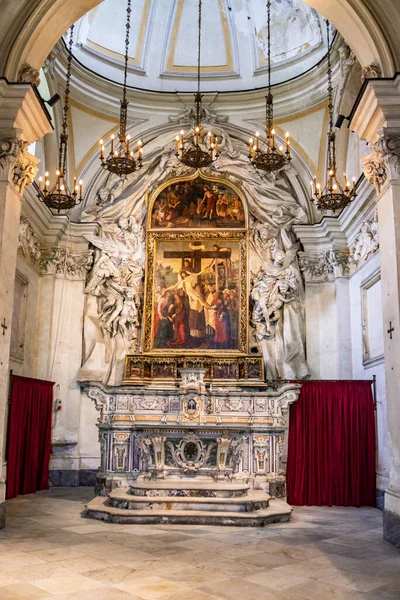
22, 121
382, 168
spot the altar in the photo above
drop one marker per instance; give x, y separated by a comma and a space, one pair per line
174, 451
187, 370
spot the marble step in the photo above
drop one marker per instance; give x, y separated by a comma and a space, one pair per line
198, 488
100, 508
120, 498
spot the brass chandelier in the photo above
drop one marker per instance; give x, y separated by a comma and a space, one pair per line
60, 196
333, 196
266, 156
121, 159
194, 155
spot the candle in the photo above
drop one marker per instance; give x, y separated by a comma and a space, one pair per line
101, 150
112, 144
80, 188
257, 139
128, 137
318, 189
58, 179
40, 184
344, 178
250, 147
46, 185
287, 143
216, 146
182, 138
209, 138
177, 145
273, 138
312, 188
354, 184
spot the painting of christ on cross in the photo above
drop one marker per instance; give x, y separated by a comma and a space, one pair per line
196, 295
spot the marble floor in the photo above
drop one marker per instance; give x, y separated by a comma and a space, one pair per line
49, 551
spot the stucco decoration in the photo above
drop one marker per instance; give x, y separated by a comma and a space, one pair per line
366, 242
28, 74
114, 298
64, 264
372, 71
324, 266
273, 209
28, 243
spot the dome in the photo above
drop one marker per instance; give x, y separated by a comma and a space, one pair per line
163, 43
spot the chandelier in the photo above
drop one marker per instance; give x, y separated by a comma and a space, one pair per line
121, 158
265, 155
333, 196
189, 154
60, 196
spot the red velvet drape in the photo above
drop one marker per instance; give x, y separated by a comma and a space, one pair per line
331, 452
29, 436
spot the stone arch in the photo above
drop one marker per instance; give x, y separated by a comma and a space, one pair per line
28, 35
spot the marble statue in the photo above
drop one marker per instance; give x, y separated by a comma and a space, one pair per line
114, 297
277, 312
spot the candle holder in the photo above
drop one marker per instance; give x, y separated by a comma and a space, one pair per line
121, 159
333, 196
192, 155
60, 196
265, 156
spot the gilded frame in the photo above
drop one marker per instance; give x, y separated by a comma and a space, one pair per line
225, 236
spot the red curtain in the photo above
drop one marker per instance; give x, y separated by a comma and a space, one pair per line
331, 452
29, 436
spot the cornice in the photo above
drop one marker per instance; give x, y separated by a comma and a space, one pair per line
22, 109
291, 97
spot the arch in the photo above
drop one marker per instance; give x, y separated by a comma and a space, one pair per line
29, 39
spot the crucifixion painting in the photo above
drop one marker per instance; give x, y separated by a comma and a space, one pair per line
196, 297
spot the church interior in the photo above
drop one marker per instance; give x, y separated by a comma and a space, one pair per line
199, 300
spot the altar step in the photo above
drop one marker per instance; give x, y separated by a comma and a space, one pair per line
127, 500
101, 508
197, 488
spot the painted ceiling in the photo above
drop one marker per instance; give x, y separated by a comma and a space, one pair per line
163, 42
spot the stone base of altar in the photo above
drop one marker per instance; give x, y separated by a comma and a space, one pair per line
189, 502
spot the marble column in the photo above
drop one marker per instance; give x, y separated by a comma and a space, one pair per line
22, 121
377, 119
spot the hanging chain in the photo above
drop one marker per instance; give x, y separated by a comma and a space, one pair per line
269, 98
124, 101
62, 158
331, 133
198, 95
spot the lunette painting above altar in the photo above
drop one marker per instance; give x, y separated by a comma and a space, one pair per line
200, 264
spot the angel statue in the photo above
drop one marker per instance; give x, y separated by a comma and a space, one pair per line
277, 315
114, 297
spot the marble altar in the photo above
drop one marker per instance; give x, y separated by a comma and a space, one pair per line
172, 450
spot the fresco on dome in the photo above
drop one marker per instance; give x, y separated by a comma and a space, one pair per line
198, 204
